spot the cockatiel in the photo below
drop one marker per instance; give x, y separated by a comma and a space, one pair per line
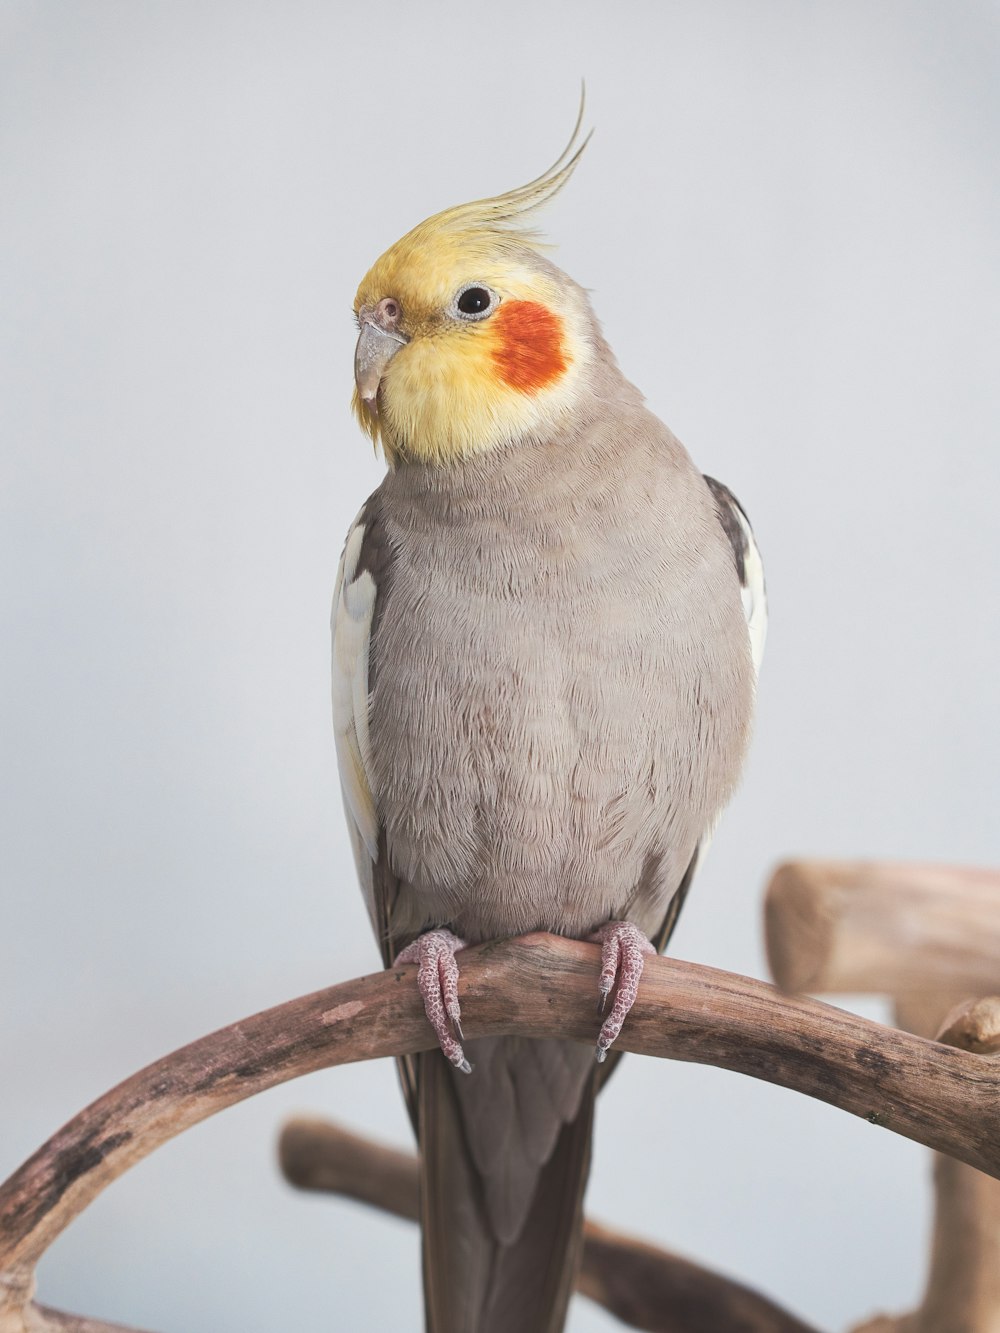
547, 625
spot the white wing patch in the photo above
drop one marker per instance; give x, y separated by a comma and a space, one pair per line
353, 611
753, 591
749, 566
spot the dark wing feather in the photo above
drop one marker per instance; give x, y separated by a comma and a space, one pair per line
749, 566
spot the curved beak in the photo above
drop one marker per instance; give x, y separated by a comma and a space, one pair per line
376, 348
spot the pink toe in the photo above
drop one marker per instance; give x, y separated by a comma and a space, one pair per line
623, 952
437, 981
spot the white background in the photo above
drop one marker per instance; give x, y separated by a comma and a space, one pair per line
789, 220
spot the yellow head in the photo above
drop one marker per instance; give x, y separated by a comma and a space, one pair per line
469, 338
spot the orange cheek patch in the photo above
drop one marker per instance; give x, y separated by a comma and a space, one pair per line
529, 349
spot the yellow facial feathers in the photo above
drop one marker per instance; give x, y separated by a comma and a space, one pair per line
462, 383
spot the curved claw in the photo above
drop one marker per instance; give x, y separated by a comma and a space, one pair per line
623, 951
437, 980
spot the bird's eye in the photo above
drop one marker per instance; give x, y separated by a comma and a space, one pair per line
475, 302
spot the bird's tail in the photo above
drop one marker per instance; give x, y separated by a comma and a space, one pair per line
503, 1169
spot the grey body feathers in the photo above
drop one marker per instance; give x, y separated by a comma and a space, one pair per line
550, 643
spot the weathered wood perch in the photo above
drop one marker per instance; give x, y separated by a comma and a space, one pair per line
885, 927
962, 1294
923, 935
538, 986
643, 1286
40, 1319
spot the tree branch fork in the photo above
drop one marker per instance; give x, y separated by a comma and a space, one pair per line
536, 986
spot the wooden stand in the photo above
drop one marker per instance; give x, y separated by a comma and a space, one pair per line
925, 935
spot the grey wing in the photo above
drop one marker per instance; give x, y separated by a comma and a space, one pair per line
354, 599
750, 572
362, 582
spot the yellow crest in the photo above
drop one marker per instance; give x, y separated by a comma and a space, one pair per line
504, 214
441, 391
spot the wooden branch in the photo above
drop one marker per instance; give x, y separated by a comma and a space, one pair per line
20, 1314
963, 1283
925, 935
538, 986
962, 1294
641, 1285
974, 1026
324, 1158
647, 1288
42, 1319
878, 926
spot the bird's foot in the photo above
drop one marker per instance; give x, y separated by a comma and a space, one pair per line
437, 979
623, 951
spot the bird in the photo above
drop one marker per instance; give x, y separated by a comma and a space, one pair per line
547, 627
